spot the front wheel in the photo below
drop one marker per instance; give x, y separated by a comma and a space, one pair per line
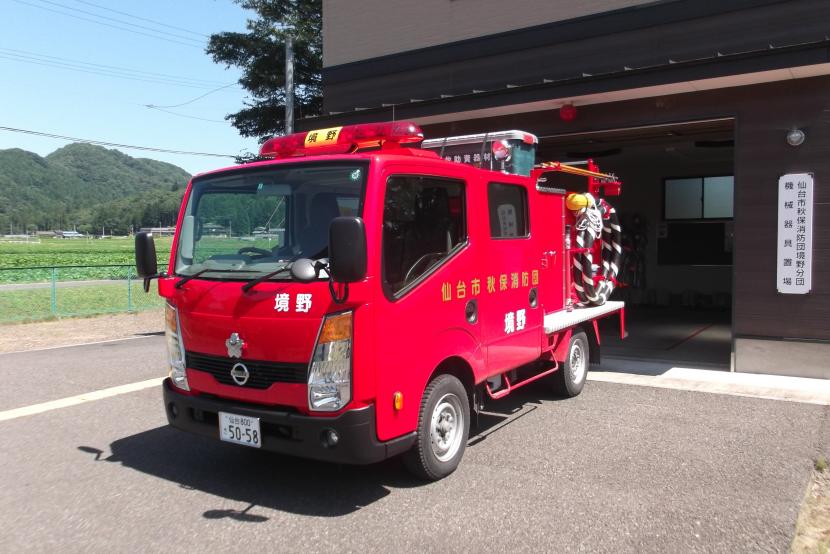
443, 429
570, 378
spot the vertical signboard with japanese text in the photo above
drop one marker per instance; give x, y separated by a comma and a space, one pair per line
795, 233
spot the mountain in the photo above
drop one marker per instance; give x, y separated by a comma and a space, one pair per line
89, 187
112, 174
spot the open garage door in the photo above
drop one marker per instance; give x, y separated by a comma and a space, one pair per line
677, 214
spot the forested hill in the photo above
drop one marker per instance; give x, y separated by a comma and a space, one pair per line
88, 187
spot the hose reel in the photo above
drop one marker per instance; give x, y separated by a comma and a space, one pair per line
598, 234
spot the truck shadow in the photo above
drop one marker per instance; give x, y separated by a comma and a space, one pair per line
498, 414
255, 478
266, 480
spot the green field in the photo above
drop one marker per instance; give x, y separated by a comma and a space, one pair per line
100, 259
24, 298
20, 306
52, 252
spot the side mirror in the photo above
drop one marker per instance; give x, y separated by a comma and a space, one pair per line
303, 270
347, 249
145, 258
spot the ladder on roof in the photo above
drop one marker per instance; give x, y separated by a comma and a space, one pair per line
569, 167
597, 181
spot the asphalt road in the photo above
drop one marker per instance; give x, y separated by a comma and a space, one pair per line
618, 469
44, 375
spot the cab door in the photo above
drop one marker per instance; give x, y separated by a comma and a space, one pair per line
426, 272
510, 313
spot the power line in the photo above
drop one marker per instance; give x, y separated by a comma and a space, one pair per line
193, 100
142, 18
122, 22
153, 74
183, 115
101, 72
92, 71
107, 24
114, 144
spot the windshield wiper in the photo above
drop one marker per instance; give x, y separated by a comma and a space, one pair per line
187, 278
251, 284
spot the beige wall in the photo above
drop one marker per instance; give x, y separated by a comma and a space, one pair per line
361, 29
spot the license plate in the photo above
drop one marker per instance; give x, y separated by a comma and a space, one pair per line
240, 429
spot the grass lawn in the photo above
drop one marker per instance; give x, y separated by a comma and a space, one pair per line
36, 304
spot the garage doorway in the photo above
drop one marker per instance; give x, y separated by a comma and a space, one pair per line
677, 210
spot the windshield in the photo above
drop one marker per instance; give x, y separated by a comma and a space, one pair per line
248, 223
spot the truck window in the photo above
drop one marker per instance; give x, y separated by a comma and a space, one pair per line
253, 222
508, 211
423, 224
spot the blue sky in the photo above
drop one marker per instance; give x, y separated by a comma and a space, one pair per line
37, 95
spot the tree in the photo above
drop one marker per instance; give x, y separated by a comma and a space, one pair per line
260, 53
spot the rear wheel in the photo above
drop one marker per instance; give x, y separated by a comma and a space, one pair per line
570, 378
443, 429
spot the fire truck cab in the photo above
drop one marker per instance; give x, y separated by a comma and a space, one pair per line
354, 296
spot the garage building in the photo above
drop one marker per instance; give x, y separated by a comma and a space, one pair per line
711, 113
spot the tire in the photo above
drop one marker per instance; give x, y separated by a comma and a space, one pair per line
440, 438
570, 379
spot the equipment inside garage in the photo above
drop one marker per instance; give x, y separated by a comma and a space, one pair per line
676, 215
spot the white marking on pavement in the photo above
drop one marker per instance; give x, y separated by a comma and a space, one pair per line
79, 399
771, 387
79, 344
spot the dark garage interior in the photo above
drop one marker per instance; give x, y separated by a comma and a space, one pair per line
676, 211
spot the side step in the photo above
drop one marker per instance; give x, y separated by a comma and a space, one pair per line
509, 387
563, 319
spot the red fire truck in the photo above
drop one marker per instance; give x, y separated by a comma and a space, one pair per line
359, 293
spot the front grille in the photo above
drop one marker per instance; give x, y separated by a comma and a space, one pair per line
262, 374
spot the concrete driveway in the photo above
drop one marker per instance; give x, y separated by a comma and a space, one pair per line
619, 469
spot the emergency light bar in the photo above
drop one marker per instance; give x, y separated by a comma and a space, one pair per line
341, 140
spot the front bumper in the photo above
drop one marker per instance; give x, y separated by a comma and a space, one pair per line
289, 433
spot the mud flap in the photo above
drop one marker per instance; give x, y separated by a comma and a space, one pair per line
593, 341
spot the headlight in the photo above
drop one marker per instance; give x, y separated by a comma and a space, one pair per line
330, 373
175, 348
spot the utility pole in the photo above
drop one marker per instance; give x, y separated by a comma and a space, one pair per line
289, 81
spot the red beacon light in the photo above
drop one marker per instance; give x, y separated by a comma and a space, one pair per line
342, 140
